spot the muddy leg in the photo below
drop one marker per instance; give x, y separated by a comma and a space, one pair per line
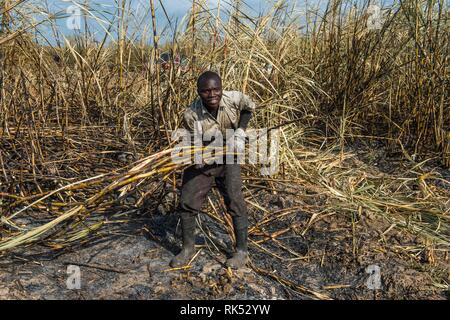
230, 185
196, 184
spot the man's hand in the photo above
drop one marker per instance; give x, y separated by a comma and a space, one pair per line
238, 139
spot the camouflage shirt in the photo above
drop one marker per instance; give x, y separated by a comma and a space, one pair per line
230, 107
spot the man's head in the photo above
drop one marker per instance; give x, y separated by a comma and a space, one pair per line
209, 88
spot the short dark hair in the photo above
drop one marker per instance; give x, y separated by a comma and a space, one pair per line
208, 75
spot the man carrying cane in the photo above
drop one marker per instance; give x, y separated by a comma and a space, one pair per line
215, 110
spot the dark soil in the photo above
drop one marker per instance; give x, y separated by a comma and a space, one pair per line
132, 263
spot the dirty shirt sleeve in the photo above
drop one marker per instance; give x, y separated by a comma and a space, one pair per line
244, 102
189, 120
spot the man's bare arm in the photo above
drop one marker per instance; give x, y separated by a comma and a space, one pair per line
244, 119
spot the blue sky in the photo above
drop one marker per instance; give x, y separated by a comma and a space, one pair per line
105, 10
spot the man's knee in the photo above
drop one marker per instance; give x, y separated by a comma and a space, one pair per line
189, 203
236, 205
193, 191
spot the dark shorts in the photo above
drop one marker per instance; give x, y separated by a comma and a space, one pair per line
198, 182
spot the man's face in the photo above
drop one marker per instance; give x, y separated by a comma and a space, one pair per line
210, 91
